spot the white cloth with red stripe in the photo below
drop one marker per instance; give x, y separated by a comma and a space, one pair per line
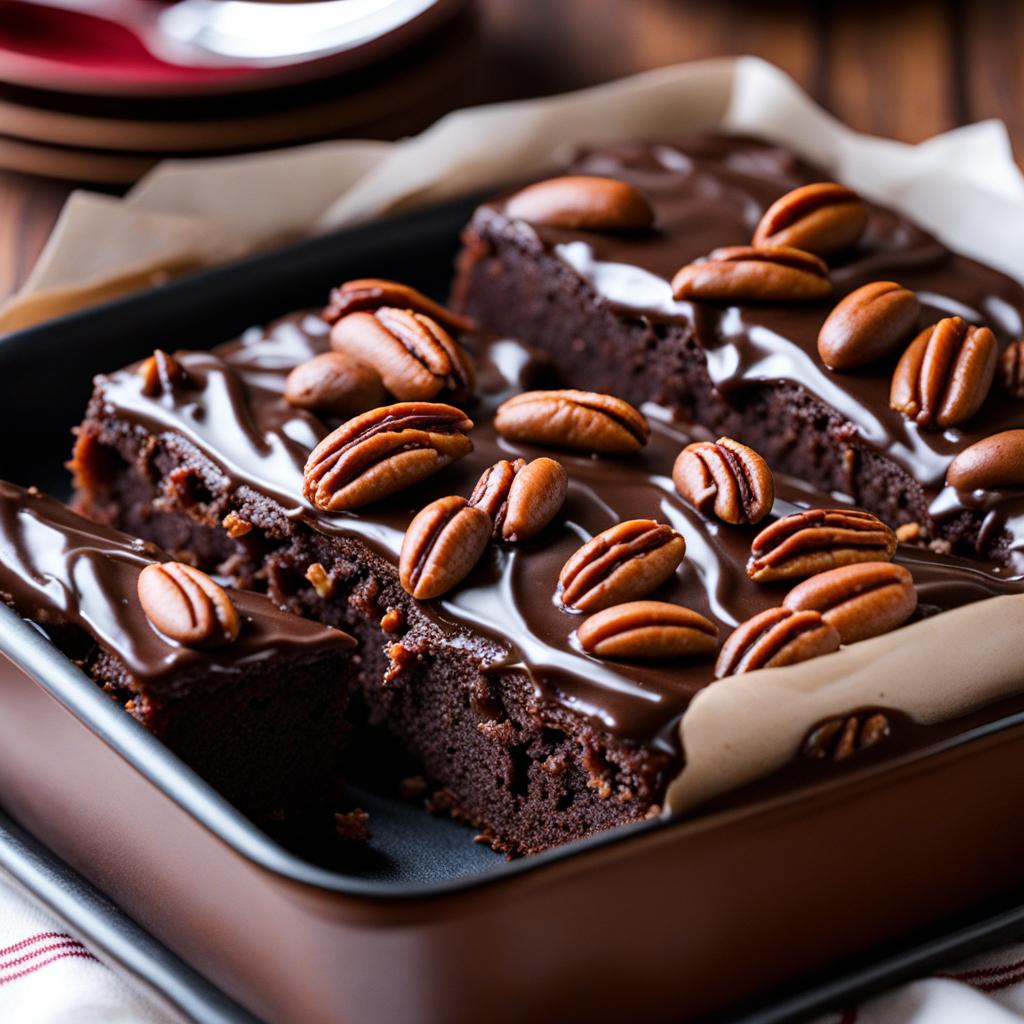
48, 977
987, 989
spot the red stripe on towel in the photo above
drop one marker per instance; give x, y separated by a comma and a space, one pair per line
32, 939
82, 954
32, 954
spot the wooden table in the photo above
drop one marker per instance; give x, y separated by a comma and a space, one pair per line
906, 70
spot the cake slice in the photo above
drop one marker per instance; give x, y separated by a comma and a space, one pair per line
518, 722
594, 291
254, 703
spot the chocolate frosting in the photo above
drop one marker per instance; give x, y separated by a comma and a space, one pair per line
235, 414
58, 569
711, 191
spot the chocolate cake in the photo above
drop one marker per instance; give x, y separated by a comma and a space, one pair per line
256, 708
532, 730
617, 294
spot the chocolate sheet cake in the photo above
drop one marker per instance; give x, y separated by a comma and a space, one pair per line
260, 714
601, 304
519, 730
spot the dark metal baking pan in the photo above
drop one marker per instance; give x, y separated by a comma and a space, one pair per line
657, 921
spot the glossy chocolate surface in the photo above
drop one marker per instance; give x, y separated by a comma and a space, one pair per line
235, 414
710, 192
57, 568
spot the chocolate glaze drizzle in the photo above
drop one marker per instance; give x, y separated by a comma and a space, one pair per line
711, 191
59, 569
235, 415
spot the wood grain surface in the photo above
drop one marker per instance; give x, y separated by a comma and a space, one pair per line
901, 69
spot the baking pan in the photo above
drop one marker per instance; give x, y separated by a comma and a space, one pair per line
152, 967
658, 921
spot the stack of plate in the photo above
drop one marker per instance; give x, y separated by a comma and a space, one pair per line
100, 90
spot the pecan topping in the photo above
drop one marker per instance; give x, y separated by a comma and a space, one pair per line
520, 497
582, 203
821, 218
392, 620
491, 490
741, 273
990, 464
861, 601
647, 630
838, 738
369, 293
414, 355
582, 420
162, 375
335, 384
235, 526
908, 533
804, 543
775, 637
945, 373
868, 325
384, 451
725, 477
186, 606
322, 582
442, 544
1011, 369
623, 563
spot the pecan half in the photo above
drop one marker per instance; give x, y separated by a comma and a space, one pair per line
648, 631
491, 490
414, 355
1011, 369
441, 546
775, 637
623, 563
727, 478
742, 273
162, 374
335, 384
804, 543
821, 218
384, 451
868, 325
945, 374
369, 293
838, 738
990, 464
520, 497
186, 606
580, 202
581, 420
861, 601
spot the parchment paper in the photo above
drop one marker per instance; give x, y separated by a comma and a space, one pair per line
185, 215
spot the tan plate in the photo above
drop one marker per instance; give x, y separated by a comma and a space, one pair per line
103, 150
402, 103
72, 164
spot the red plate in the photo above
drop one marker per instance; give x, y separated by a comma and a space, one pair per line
49, 48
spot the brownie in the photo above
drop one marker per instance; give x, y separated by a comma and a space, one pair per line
261, 718
517, 731
600, 304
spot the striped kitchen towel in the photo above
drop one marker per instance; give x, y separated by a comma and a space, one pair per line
48, 977
987, 989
